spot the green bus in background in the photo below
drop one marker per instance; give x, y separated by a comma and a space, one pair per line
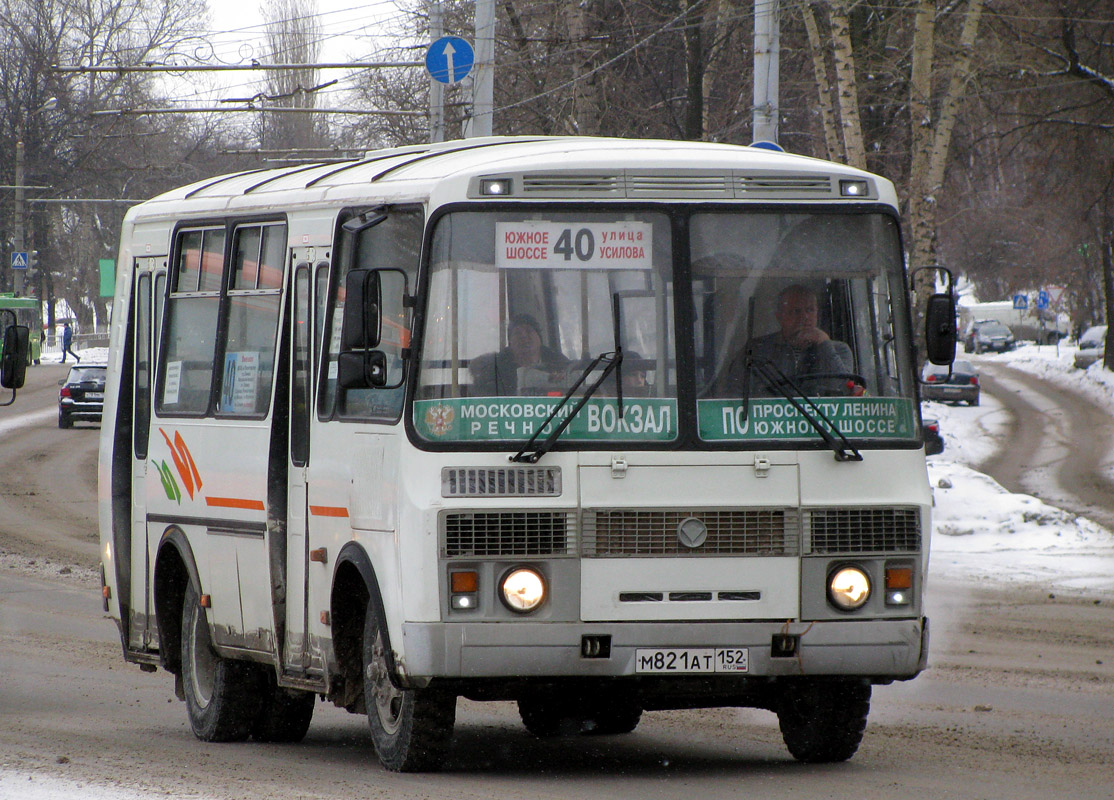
29, 312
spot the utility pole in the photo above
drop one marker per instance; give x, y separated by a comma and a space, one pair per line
436, 88
767, 55
483, 84
19, 275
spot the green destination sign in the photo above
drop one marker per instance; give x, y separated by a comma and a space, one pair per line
519, 418
776, 418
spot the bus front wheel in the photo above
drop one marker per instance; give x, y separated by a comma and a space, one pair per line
823, 720
410, 728
222, 695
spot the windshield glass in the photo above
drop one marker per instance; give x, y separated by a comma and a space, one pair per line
519, 305
994, 329
519, 302
800, 304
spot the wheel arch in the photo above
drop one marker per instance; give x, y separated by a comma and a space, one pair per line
175, 569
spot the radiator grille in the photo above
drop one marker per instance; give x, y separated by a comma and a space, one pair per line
624, 533
508, 533
862, 530
501, 482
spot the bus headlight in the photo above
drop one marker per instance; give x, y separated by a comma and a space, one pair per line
848, 588
523, 589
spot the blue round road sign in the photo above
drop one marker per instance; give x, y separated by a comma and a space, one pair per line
449, 59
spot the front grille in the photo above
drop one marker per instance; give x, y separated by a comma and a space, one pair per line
507, 533
753, 532
501, 482
862, 530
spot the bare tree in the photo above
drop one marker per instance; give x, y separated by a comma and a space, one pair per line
293, 37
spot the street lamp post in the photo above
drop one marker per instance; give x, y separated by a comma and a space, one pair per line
19, 274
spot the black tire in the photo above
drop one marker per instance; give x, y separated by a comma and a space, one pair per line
410, 728
64, 420
223, 697
975, 402
284, 715
823, 720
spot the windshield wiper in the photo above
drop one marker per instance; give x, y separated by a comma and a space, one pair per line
530, 454
782, 383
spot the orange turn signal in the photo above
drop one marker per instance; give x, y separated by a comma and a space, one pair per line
899, 577
464, 582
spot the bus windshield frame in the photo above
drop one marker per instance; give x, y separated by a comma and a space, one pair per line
520, 298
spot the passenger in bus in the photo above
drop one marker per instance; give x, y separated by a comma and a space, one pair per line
524, 366
798, 349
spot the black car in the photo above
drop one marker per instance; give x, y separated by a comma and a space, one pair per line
988, 334
962, 385
82, 395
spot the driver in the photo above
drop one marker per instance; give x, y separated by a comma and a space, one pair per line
500, 373
799, 348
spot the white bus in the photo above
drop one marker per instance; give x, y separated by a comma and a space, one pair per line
510, 419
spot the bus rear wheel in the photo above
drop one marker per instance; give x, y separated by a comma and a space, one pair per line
823, 720
410, 728
222, 695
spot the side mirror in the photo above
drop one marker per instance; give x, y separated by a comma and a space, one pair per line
362, 370
362, 321
939, 329
13, 362
939, 314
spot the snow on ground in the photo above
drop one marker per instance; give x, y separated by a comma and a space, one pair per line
982, 531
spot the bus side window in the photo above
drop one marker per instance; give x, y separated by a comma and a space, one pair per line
255, 293
187, 355
393, 244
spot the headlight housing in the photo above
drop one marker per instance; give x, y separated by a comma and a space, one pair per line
849, 588
523, 589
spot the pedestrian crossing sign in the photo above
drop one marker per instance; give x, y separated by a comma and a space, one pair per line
19, 259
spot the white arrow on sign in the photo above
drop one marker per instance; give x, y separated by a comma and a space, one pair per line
449, 51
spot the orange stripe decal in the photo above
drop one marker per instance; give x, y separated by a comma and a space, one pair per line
328, 511
234, 502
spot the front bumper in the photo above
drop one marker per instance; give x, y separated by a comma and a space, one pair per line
877, 649
947, 392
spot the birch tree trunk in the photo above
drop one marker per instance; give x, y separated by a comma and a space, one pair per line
832, 140
694, 72
848, 92
587, 113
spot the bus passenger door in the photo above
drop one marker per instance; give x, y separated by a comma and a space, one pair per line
297, 548
142, 631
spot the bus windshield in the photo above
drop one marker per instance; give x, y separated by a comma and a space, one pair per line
785, 305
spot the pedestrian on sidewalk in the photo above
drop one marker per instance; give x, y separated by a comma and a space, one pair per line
67, 340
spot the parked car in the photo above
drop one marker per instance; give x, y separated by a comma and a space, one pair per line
933, 441
962, 385
1092, 347
987, 334
82, 395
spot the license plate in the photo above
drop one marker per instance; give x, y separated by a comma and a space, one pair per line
94, 395
952, 391
692, 659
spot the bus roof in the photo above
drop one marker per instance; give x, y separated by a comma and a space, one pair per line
540, 168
